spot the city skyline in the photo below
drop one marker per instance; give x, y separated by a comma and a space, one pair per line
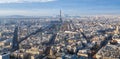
52, 7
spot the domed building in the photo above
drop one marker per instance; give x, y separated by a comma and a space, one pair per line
116, 36
115, 39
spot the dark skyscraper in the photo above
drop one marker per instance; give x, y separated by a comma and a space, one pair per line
60, 16
15, 44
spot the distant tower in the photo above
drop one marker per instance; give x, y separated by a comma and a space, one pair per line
60, 16
51, 52
116, 30
15, 44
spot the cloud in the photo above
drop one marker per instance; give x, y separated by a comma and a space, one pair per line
24, 1
39, 12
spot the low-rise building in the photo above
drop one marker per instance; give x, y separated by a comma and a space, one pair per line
4, 56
